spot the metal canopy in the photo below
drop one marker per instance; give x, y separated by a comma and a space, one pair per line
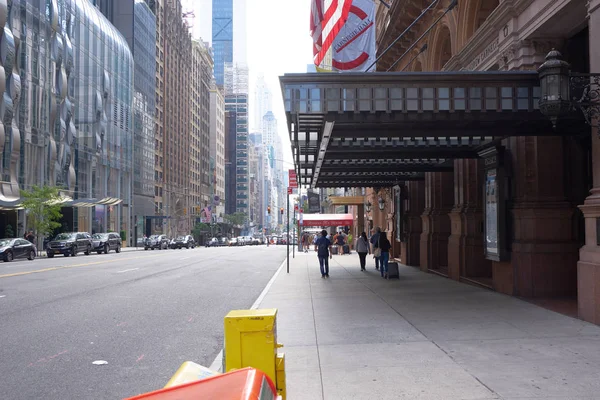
380, 129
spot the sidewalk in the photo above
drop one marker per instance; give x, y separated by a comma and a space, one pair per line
357, 336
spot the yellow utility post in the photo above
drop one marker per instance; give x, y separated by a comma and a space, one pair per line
251, 341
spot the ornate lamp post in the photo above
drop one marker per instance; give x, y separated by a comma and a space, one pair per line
381, 203
563, 91
368, 206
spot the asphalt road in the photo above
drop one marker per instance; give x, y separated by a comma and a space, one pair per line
144, 312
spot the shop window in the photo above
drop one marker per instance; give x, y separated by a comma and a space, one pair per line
507, 98
428, 99
523, 98
444, 99
475, 99
491, 96
396, 97
412, 99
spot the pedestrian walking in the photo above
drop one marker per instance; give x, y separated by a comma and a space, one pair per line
375, 245
362, 248
324, 253
340, 241
384, 246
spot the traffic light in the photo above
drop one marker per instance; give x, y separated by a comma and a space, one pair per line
185, 211
281, 210
198, 210
269, 209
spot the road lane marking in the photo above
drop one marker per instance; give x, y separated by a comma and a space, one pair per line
75, 266
185, 258
217, 364
127, 270
2, 296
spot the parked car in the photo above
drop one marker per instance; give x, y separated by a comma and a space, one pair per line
224, 241
186, 241
234, 242
105, 242
69, 244
157, 242
11, 249
214, 242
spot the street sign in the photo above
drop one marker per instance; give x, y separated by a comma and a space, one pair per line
295, 207
293, 178
290, 190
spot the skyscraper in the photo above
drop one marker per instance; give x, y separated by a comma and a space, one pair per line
137, 23
222, 37
217, 145
263, 102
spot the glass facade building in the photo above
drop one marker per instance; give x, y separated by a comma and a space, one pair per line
222, 37
238, 104
144, 55
67, 110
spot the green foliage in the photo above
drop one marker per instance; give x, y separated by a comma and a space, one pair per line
236, 219
8, 231
199, 229
123, 236
42, 205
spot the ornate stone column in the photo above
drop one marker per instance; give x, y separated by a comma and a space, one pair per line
413, 225
439, 199
588, 267
465, 246
544, 247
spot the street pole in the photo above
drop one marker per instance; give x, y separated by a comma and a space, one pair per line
288, 230
293, 245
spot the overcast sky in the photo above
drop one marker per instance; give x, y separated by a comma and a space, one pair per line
277, 42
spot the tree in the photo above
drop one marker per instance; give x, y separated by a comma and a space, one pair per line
8, 231
236, 219
42, 205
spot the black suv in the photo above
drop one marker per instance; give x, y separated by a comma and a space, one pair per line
184, 241
105, 242
156, 242
70, 244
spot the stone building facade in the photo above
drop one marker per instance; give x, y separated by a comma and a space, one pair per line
552, 180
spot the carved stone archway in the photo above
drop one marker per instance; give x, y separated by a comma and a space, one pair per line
440, 47
473, 14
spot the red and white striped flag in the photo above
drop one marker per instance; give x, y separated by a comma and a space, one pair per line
326, 26
316, 25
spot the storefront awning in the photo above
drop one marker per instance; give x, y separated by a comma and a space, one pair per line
327, 220
110, 201
381, 129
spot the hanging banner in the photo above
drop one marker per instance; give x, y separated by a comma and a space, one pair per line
314, 202
354, 48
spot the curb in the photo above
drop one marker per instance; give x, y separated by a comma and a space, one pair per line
217, 364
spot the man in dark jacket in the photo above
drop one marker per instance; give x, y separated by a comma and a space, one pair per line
324, 253
375, 244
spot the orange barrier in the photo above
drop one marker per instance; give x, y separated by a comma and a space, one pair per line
241, 384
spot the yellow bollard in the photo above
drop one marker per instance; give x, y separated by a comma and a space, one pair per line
251, 341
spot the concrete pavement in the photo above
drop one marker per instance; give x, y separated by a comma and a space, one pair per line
357, 336
144, 312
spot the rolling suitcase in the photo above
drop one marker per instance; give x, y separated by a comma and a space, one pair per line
346, 249
393, 270
334, 250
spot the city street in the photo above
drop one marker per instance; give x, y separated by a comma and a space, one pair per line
143, 312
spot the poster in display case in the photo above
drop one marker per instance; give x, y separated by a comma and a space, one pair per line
494, 195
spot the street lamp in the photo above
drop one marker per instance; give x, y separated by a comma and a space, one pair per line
563, 91
555, 93
381, 203
368, 206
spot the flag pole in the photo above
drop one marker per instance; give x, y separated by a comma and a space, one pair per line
433, 3
450, 8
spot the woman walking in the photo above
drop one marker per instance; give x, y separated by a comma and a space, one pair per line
362, 248
385, 246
